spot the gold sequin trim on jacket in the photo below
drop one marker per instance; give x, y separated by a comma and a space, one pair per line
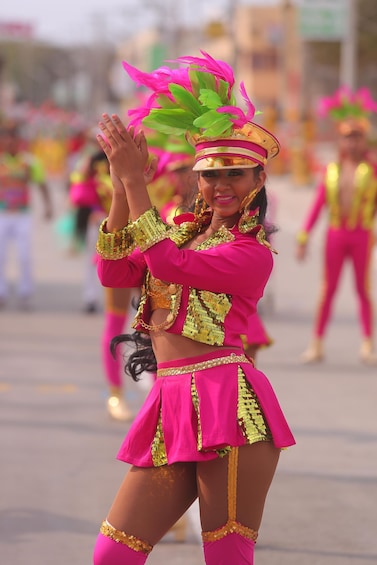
115, 245
149, 229
205, 317
130, 541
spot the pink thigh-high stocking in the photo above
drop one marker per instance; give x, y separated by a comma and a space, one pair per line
117, 302
114, 547
247, 474
233, 548
114, 324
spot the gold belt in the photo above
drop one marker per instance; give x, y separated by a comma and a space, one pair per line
232, 358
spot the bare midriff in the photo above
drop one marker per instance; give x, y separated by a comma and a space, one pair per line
169, 347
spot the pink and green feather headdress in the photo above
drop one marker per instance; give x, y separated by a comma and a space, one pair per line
197, 101
350, 110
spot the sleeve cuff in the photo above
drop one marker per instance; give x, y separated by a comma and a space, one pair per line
149, 229
115, 245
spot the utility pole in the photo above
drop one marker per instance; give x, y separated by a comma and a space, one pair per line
349, 47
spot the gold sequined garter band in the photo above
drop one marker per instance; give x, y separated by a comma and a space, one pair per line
133, 542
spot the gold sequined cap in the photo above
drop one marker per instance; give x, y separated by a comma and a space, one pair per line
248, 146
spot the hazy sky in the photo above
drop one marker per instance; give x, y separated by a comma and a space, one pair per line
73, 21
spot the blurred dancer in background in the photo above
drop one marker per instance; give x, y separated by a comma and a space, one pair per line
348, 191
20, 171
92, 191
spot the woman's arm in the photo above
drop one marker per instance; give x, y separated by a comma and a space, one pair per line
119, 211
239, 267
128, 272
127, 153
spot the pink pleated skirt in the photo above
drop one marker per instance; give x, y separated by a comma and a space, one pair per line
201, 406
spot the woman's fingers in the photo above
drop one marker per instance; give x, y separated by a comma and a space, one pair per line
104, 146
151, 170
143, 146
121, 127
126, 149
109, 129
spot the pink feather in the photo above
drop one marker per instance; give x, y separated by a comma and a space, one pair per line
158, 81
241, 119
250, 106
219, 69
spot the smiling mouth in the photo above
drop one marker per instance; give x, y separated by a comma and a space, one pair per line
223, 199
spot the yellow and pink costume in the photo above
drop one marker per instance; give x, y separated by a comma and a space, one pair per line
348, 237
222, 399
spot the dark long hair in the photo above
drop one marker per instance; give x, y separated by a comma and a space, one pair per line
143, 359
261, 202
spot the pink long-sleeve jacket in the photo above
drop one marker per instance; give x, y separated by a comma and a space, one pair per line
215, 289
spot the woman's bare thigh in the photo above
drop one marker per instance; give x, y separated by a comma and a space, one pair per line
256, 468
151, 499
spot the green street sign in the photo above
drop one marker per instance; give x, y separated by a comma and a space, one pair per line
322, 20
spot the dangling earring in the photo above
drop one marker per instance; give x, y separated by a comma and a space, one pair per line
245, 204
200, 207
246, 222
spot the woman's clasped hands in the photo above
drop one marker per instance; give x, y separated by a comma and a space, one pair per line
127, 152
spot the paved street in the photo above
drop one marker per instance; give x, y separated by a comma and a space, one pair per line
57, 445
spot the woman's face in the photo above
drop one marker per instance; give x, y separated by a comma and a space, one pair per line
224, 190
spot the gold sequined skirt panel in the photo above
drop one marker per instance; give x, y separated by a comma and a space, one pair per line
199, 408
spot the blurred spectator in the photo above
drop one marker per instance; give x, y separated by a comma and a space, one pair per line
19, 172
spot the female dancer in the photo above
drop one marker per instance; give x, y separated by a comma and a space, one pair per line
211, 427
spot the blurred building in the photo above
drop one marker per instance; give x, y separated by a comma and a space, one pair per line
261, 43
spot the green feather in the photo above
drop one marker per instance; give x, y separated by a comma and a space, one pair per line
172, 122
165, 102
180, 146
206, 80
200, 80
210, 99
213, 123
223, 127
223, 90
185, 99
194, 81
